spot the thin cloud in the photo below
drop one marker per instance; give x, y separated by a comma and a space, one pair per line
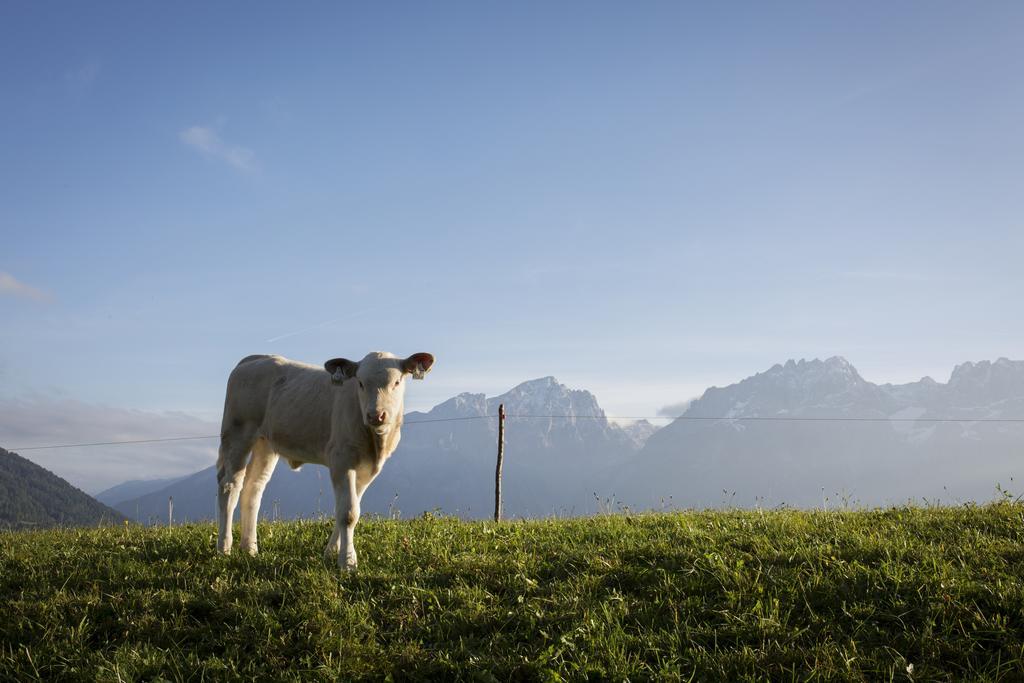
212, 146
43, 421
675, 409
886, 276
316, 326
11, 286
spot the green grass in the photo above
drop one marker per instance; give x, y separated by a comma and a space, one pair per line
703, 596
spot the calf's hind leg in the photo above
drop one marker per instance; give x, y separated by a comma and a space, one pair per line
257, 474
235, 445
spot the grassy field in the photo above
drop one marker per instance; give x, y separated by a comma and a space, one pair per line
898, 594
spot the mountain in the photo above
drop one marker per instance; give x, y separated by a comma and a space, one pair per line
639, 432
446, 461
32, 497
700, 461
290, 494
132, 489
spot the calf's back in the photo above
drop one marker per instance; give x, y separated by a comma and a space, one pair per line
284, 401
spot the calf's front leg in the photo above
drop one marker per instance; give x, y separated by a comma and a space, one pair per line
333, 544
346, 516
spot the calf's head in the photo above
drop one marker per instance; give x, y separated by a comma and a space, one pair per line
380, 386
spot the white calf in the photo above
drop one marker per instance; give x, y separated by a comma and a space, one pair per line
348, 418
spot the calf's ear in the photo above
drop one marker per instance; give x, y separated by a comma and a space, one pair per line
341, 369
418, 364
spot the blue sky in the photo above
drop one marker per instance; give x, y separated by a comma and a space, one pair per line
642, 200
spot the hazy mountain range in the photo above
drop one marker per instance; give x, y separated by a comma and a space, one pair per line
446, 460
902, 456
564, 457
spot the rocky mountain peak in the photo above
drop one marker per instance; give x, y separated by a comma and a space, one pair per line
835, 366
639, 431
984, 371
797, 385
461, 405
547, 396
997, 380
834, 386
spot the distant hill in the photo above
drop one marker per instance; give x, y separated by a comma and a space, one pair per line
32, 497
132, 489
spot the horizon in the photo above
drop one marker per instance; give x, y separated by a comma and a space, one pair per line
190, 457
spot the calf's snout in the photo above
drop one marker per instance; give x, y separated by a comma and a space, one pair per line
376, 419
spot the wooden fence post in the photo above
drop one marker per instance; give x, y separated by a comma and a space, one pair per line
170, 510
501, 456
